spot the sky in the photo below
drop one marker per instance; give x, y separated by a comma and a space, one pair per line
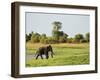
42, 23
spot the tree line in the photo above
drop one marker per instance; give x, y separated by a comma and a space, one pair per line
58, 36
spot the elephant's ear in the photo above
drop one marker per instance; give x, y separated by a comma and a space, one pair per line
48, 47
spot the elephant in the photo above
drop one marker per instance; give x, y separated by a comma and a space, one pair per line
44, 51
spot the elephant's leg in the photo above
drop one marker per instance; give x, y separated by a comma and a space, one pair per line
51, 55
37, 56
41, 56
47, 56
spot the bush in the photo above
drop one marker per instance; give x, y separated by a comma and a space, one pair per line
35, 38
51, 40
83, 41
42, 40
75, 41
87, 37
62, 39
78, 37
48, 40
69, 40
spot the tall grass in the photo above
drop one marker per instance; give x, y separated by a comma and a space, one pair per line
65, 54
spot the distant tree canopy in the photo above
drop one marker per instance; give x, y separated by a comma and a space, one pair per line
43, 38
78, 37
57, 25
28, 37
35, 38
87, 35
58, 36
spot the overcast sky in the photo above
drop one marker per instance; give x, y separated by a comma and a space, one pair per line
71, 23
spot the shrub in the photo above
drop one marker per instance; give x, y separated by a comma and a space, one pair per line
62, 39
69, 40
83, 41
78, 37
35, 38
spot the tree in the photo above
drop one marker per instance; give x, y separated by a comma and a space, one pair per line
83, 41
35, 37
28, 37
43, 35
43, 38
63, 38
57, 25
70, 40
56, 35
87, 36
78, 37
59, 36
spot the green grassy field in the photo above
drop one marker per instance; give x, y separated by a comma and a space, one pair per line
65, 54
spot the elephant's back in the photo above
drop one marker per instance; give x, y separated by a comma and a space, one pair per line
42, 49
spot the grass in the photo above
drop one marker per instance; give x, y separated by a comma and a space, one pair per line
65, 54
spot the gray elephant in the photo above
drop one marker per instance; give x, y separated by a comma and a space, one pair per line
44, 51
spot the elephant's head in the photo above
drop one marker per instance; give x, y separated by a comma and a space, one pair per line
49, 48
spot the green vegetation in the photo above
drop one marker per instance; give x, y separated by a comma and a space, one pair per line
65, 54
58, 36
87, 37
